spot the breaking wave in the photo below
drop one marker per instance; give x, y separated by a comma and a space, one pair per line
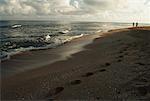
45, 42
19, 36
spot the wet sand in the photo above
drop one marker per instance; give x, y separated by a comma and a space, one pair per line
115, 66
38, 58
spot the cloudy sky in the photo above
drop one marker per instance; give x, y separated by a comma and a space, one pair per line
90, 10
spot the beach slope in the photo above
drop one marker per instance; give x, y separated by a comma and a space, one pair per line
115, 66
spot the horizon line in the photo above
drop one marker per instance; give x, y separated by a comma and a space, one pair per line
72, 21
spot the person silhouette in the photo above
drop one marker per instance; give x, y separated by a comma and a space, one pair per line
136, 24
133, 24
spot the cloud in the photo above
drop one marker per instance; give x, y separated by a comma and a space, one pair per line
99, 3
11, 7
85, 9
37, 7
50, 7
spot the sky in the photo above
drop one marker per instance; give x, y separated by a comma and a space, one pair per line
80, 10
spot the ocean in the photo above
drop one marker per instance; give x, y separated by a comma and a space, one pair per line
19, 36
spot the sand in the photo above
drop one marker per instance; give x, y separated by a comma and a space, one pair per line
115, 66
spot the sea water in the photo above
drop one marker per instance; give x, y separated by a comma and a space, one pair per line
18, 36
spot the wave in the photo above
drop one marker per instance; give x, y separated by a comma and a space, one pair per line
17, 37
51, 42
64, 32
16, 26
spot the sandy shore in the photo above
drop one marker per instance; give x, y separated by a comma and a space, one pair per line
115, 66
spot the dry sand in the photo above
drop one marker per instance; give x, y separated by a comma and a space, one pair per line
115, 66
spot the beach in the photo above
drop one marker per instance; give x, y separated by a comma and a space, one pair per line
114, 65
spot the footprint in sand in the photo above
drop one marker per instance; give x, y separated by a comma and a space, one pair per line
143, 90
143, 80
53, 92
142, 86
88, 74
119, 60
121, 56
121, 52
58, 90
102, 70
75, 82
107, 64
91, 73
141, 64
97, 98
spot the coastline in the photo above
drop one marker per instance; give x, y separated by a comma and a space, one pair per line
97, 72
48, 56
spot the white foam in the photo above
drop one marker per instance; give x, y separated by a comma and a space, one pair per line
65, 31
99, 31
16, 26
47, 37
56, 41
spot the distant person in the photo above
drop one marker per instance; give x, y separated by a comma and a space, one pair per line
136, 24
133, 24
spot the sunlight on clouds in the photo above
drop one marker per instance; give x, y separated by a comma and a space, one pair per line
98, 10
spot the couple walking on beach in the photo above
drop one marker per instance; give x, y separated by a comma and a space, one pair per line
135, 24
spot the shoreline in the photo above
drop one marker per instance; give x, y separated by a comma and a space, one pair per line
60, 53
14, 53
47, 48
106, 68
